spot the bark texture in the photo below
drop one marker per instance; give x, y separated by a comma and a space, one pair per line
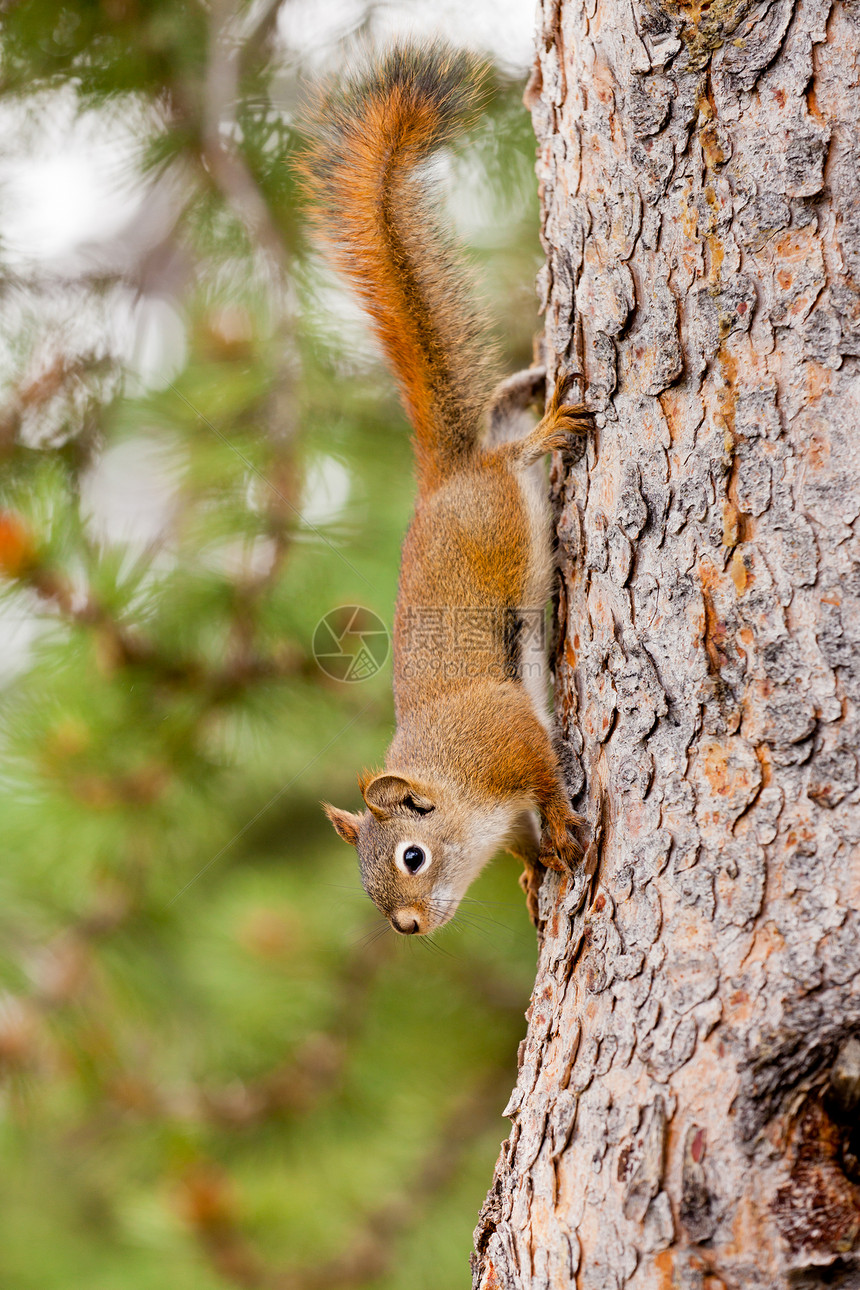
687, 1105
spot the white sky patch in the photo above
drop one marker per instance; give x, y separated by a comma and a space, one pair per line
326, 492
20, 629
34, 226
149, 334
503, 28
67, 177
130, 494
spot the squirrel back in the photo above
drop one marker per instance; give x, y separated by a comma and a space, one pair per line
370, 133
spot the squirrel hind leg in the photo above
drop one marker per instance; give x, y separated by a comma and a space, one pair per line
563, 425
510, 400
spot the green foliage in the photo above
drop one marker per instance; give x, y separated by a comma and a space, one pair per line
115, 47
215, 1070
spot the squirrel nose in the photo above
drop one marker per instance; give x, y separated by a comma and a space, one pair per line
405, 921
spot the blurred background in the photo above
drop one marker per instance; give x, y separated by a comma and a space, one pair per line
218, 1066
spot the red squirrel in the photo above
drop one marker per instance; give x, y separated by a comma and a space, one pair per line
472, 762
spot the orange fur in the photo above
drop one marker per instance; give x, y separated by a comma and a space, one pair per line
372, 209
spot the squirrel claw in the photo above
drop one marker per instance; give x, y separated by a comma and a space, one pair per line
563, 383
561, 849
575, 418
530, 881
562, 856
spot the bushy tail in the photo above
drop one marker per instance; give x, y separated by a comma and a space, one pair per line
367, 138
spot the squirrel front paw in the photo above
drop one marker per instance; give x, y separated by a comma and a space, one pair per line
530, 881
561, 848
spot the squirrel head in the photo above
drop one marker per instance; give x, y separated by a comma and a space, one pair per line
415, 862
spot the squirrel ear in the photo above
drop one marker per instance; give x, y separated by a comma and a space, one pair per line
345, 823
393, 795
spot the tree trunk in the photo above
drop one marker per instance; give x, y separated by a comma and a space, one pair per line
686, 1113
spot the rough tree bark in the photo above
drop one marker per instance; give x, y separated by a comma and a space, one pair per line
687, 1105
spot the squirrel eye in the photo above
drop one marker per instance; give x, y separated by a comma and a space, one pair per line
412, 858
